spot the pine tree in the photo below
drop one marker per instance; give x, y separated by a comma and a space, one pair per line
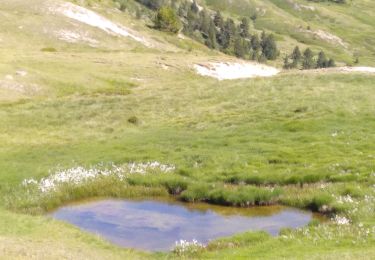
205, 20
308, 59
230, 26
255, 55
167, 20
331, 63
153, 4
244, 28
194, 7
322, 61
262, 58
255, 43
269, 48
239, 48
286, 65
219, 20
263, 36
211, 40
296, 57
183, 9
192, 21
227, 34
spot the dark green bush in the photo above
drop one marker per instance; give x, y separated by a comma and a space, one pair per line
167, 20
133, 120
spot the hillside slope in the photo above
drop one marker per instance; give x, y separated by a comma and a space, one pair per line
344, 31
83, 83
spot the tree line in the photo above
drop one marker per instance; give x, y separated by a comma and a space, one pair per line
334, 1
307, 60
212, 29
231, 38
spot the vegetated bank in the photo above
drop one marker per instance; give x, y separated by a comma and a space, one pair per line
298, 139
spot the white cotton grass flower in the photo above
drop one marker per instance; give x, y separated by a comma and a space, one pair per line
341, 220
184, 246
345, 199
80, 175
27, 182
143, 168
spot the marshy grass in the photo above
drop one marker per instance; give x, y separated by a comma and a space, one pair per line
302, 140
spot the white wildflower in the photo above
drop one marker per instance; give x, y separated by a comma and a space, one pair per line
80, 175
345, 199
183, 246
29, 182
341, 220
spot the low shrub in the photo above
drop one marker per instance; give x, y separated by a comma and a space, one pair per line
133, 120
167, 20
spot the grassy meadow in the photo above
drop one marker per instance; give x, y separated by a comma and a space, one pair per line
295, 21
304, 140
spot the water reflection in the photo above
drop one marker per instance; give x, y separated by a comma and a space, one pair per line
156, 225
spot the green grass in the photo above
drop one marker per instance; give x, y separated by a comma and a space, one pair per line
351, 22
301, 140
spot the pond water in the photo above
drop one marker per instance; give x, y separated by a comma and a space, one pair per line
157, 225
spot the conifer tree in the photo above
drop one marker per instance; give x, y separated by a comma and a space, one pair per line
218, 20
239, 48
286, 65
263, 36
194, 7
269, 48
308, 59
322, 61
331, 63
296, 57
244, 28
211, 40
262, 58
255, 55
205, 20
192, 21
255, 43
227, 34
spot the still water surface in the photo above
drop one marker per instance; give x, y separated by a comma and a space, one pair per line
156, 225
